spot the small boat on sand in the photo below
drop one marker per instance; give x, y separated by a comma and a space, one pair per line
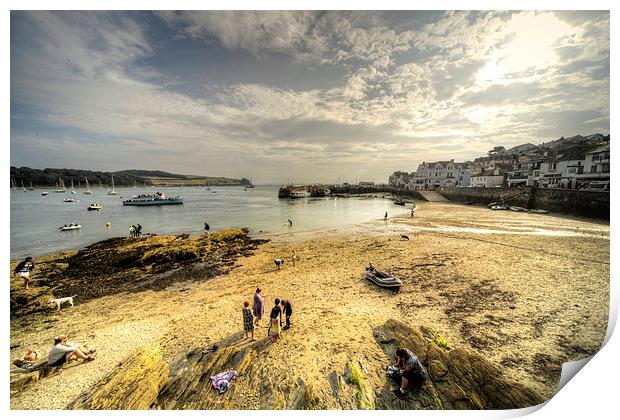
71, 227
383, 279
399, 202
517, 208
498, 207
538, 211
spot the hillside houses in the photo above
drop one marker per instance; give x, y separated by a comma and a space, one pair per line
573, 163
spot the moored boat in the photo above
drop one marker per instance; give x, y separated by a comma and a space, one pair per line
44, 193
68, 200
88, 190
71, 227
517, 208
299, 192
112, 191
95, 206
156, 199
399, 202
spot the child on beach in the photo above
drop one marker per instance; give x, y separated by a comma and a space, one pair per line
248, 321
23, 270
294, 258
287, 310
275, 321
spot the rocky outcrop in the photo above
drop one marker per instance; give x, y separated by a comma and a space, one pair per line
129, 264
457, 379
133, 385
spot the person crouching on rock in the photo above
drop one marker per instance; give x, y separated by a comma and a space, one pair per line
275, 321
23, 269
62, 351
248, 321
287, 310
413, 371
278, 262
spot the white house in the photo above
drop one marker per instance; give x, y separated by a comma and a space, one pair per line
489, 178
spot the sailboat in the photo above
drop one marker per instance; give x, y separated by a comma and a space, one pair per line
60, 186
31, 189
113, 191
72, 190
88, 191
23, 188
13, 186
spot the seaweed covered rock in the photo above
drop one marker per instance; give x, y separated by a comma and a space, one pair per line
129, 264
133, 385
457, 379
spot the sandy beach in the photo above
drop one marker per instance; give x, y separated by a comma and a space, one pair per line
526, 291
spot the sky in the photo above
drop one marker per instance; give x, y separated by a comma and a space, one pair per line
304, 96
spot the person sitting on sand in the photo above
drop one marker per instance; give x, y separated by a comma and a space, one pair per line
31, 355
413, 371
23, 270
287, 310
258, 308
275, 321
248, 321
61, 352
278, 262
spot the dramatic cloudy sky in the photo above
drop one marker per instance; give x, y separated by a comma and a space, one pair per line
302, 96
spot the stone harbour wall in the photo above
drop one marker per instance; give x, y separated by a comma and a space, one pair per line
578, 202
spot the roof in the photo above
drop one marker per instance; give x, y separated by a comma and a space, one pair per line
604, 147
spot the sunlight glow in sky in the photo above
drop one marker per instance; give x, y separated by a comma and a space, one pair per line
310, 96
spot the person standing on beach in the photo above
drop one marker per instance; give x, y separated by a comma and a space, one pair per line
258, 308
132, 229
23, 270
287, 309
294, 258
385, 217
278, 262
290, 223
248, 321
412, 213
207, 228
139, 230
275, 321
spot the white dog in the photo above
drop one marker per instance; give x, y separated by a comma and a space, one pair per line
60, 301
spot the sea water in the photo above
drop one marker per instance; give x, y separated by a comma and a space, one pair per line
36, 219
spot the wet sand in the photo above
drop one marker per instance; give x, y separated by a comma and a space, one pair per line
526, 291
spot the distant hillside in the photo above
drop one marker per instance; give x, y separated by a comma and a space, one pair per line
49, 177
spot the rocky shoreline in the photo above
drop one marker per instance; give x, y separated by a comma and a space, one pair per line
498, 336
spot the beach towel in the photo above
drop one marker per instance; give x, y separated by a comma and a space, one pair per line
221, 381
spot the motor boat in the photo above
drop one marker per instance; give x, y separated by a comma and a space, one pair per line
68, 200
71, 227
156, 199
44, 193
383, 279
95, 206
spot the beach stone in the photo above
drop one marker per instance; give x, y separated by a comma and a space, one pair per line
458, 379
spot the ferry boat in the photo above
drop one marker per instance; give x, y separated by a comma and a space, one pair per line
157, 199
299, 193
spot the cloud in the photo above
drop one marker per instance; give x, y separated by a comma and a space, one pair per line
100, 89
